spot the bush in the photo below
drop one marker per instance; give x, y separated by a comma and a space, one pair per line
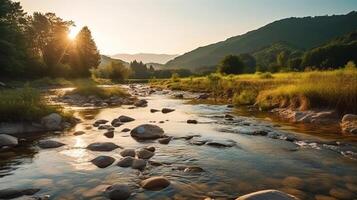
265, 75
246, 97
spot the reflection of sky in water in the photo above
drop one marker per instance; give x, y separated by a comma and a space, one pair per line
256, 163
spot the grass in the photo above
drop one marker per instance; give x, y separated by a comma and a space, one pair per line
25, 104
335, 89
90, 88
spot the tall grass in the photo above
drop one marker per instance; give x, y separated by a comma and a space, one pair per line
90, 88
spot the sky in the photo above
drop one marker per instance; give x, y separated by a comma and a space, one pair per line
177, 26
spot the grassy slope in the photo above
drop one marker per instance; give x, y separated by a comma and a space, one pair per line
304, 90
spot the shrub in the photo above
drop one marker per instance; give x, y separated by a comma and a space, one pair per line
246, 97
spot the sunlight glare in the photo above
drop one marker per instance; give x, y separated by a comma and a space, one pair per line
73, 32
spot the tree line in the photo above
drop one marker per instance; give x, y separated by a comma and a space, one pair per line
38, 45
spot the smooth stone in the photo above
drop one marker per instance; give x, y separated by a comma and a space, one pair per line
126, 130
267, 195
125, 162
141, 103
8, 140
147, 131
52, 121
324, 197
139, 164
165, 140
118, 192
155, 183
193, 169
154, 110
11, 193
101, 121
108, 127
167, 110
220, 143
125, 119
103, 161
116, 123
144, 154
48, 144
79, 133
102, 146
128, 152
152, 149
293, 182
191, 121
109, 134
341, 193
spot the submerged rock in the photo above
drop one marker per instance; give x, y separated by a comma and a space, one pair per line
128, 152
144, 154
118, 192
193, 169
226, 143
11, 193
191, 121
152, 149
267, 195
167, 110
139, 164
48, 144
103, 161
147, 131
125, 119
155, 183
8, 140
125, 162
52, 121
102, 146
165, 140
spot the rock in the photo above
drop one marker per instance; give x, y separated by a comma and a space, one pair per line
191, 121
147, 131
221, 143
293, 182
349, 117
155, 183
116, 123
165, 140
101, 121
198, 142
267, 195
8, 140
323, 197
152, 149
125, 119
107, 127
349, 124
11, 193
139, 164
52, 122
144, 154
109, 134
193, 169
126, 130
228, 116
141, 103
154, 110
79, 133
125, 162
128, 152
203, 96
103, 161
341, 193
179, 96
167, 110
48, 144
118, 192
102, 146
230, 106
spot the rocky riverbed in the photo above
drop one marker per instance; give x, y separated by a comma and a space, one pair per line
161, 146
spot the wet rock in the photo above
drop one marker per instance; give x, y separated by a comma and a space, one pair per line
8, 140
324, 197
102, 146
128, 152
198, 142
154, 110
228, 116
101, 121
109, 134
203, 96
107, 127
267, 195
125, 119
118, 192
155, 163
191, 121
349, 124
293, 182
260, 132
165, 140
178, 96
103, 161
141, 103
218, 144
306, 116
152, 149
139, 164
167, 110
116, 123
341, 193
125, 162
79, 133
52, 121
155, 183
193, 169
11, 193
49, 144
144, 154
147, 131
230, 106
126, 130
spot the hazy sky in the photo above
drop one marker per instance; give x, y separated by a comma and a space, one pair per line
177, 26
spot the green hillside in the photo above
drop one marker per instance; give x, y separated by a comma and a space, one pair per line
300, 33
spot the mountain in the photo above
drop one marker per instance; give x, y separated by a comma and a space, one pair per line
301, 33
145, 57
105, 60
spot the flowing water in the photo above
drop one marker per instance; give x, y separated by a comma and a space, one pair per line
312, 165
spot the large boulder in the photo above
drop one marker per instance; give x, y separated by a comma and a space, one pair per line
8, 140
103, 161
52, 121
124, 119
155, 183
267, 195
118, 192
49, 144
147, 132
349, 124
102, 146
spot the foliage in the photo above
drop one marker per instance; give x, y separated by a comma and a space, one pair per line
231, 65
114, 70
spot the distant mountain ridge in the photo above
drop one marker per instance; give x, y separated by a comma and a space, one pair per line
300, 33
146, 57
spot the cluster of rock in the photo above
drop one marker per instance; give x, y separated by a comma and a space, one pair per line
349, 124
309, 116
91, 101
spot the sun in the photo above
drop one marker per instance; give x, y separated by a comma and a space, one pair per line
73, 31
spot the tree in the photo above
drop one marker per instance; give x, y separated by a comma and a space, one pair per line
139, 70
282, 59
84, 54
231, 65
249, 62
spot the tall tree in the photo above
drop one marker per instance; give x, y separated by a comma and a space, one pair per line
84, 54
231, 65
